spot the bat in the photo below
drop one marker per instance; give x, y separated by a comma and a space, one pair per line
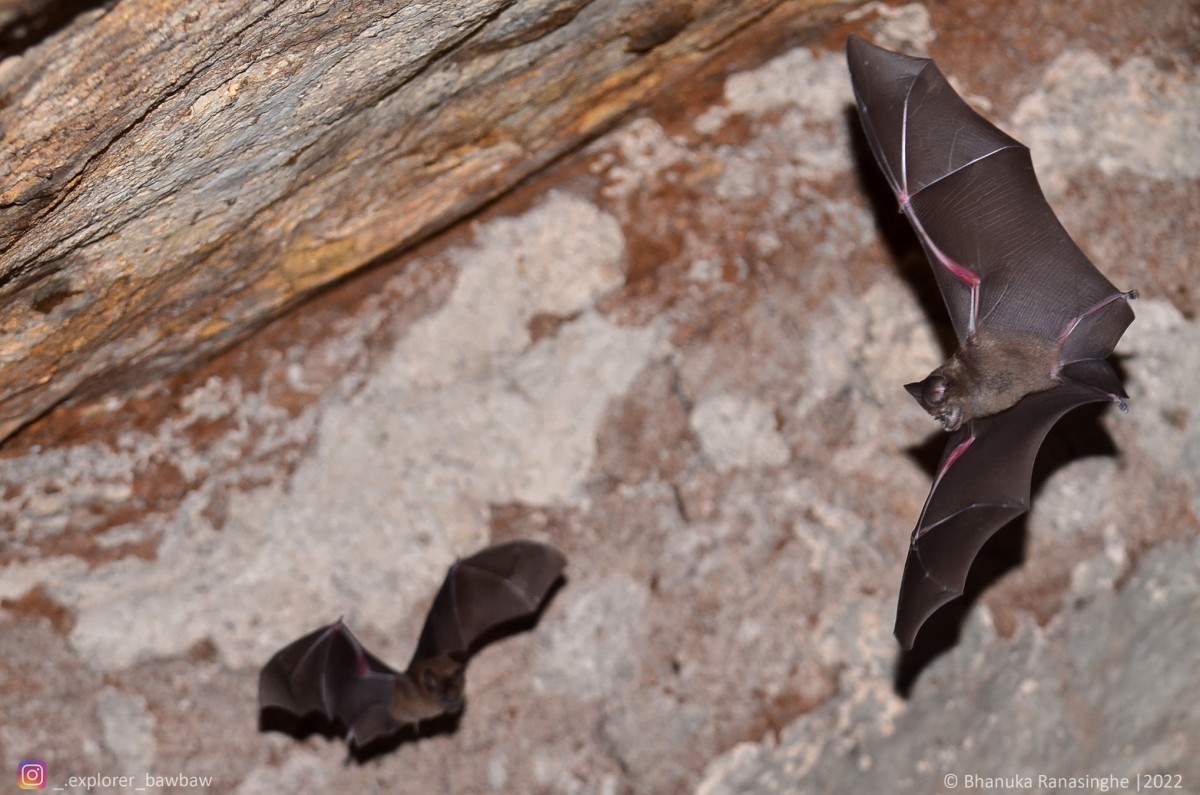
330, 673
1034, 319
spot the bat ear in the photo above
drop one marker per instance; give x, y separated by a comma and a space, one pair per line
914, 389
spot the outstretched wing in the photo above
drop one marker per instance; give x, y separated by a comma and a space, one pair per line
328, 672
982, 484
1001, 257
502, 583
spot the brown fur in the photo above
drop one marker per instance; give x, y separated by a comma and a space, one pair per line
428, 689
987, 375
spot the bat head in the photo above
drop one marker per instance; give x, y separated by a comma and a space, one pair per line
936, 395
441, 680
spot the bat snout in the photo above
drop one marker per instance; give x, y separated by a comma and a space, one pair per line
950, 418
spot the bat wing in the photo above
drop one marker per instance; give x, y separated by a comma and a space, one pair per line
329, 672
982, 484
1000, 256
493, 587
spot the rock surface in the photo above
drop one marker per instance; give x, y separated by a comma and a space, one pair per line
677, 355
174, 174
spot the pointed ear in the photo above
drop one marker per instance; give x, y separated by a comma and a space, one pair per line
914, 389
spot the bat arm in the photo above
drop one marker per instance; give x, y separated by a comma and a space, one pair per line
1114, 397
1016, 506
951, 459
959, 271
904, 145
336, 627
361, 668
904, 197
1096, 375
1126, 296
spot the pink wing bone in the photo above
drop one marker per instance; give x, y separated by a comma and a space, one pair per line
1126, 296
1071, 326
960, 272
962, 447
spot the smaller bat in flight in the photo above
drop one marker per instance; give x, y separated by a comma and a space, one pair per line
1035, 320
329, 672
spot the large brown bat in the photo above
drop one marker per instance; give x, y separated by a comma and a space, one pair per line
1035, 320
330, 673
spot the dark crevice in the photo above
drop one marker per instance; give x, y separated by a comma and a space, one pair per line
26, 24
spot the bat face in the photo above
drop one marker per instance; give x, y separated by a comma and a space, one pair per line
441, 680
1034, 318
933, 394
329, 672
989, 373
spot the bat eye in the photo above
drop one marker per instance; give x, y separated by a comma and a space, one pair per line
933, 390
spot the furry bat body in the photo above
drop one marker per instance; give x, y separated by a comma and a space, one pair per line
329, 672
1034, 318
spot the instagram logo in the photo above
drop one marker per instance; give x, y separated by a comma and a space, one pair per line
32, 774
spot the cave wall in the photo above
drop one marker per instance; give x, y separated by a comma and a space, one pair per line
677, 354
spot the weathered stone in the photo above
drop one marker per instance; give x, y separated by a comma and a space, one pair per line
1091, 702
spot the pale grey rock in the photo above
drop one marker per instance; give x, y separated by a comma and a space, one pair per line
1102, 692
607, 616
1091, 114
814, 85
905, 28
128, 730
1163, 378
738, 431
301, 771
